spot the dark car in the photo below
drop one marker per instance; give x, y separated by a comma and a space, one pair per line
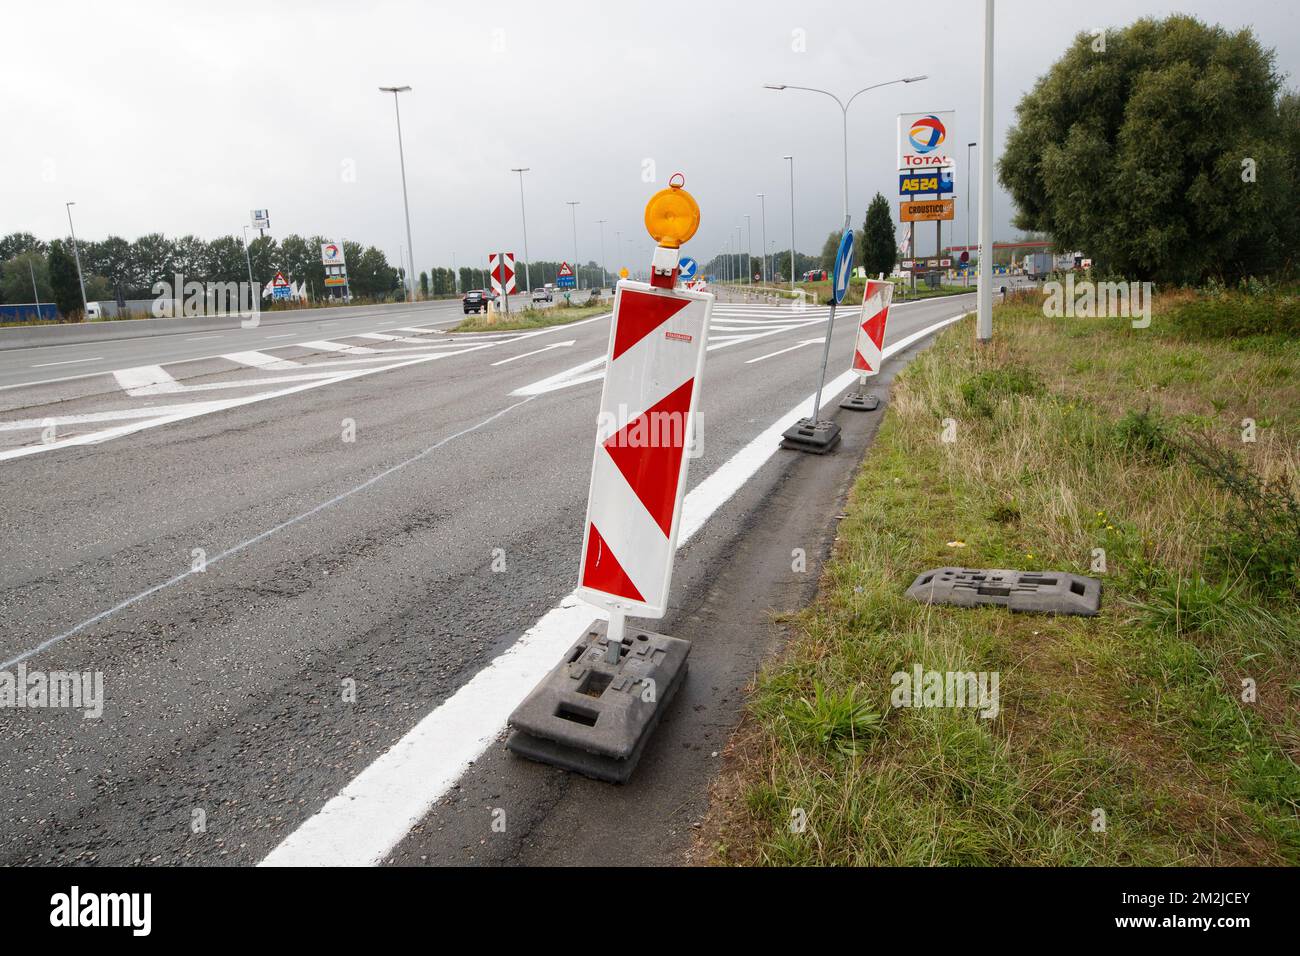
475, 300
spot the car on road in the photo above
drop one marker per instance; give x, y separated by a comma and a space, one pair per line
543, 294
475, 300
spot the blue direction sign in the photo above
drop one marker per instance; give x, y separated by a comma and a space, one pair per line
686, 268
843, 266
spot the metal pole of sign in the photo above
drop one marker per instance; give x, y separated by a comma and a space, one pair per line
826, 354
523, 214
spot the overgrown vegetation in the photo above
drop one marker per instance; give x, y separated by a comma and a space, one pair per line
1164, 731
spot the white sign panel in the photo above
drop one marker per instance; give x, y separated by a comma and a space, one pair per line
331, 254
925, 140
261, 218
643, 435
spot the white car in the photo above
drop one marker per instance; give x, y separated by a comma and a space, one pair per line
542, 295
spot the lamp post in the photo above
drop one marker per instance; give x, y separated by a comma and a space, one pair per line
749, 249
762, 206
604, 273
523, 214
401, 155
791, 159
844, 116
984, 292
85, 307
573, 209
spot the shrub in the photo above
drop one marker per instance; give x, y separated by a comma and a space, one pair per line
1238, 314
984, 391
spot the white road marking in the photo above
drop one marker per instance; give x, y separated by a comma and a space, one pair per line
145, 380
199, 338
260, 360
783, 351
321, 345
97, 358
285, 335
545, 348
362, 824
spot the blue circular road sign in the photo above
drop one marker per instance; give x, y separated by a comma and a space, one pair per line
686, 268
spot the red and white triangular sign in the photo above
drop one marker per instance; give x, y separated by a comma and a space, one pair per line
565, 271
279, 281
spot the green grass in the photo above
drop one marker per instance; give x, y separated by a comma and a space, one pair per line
1069, 438
532, 318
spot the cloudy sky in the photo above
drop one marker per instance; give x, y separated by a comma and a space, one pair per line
180, 117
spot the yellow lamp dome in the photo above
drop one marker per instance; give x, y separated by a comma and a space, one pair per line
672, 216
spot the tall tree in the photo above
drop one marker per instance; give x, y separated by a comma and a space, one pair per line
878, 251
1162, 150
16, 278
63, 279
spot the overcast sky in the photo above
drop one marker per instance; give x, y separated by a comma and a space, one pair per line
181, 117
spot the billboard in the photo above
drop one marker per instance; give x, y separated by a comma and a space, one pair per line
937, 181
261, 218
924, 140
926, 210
331, 254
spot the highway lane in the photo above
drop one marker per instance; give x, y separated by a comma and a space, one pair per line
334, 568
28, 366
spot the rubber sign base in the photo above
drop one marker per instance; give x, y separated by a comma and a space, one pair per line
594, 717
815, 437
860, 402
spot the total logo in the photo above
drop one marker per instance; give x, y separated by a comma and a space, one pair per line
927, 134
331, 251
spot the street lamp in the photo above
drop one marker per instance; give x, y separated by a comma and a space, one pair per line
401, 155
528, 280
573, 209
791, 159
762, 205
85, 307
604, 273
844, 111
749, 249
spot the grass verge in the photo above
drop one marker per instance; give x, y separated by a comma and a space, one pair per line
1164, 731
532, 318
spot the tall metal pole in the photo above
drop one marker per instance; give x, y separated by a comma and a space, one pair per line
749, 249
740, 259
791, 159
984, 294
970, 182
762, 207
401, 155
604, 273
577, 272
35, 292
528, 278
85, 306
248, 260
455, 276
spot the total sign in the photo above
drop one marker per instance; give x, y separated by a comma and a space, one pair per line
923, 139
331, 254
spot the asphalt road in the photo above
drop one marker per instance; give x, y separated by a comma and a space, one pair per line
376, 519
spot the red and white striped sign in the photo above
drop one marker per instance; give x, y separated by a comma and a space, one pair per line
871, 328
647, 417
501, 266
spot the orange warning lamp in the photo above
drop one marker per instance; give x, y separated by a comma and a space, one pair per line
671, 217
